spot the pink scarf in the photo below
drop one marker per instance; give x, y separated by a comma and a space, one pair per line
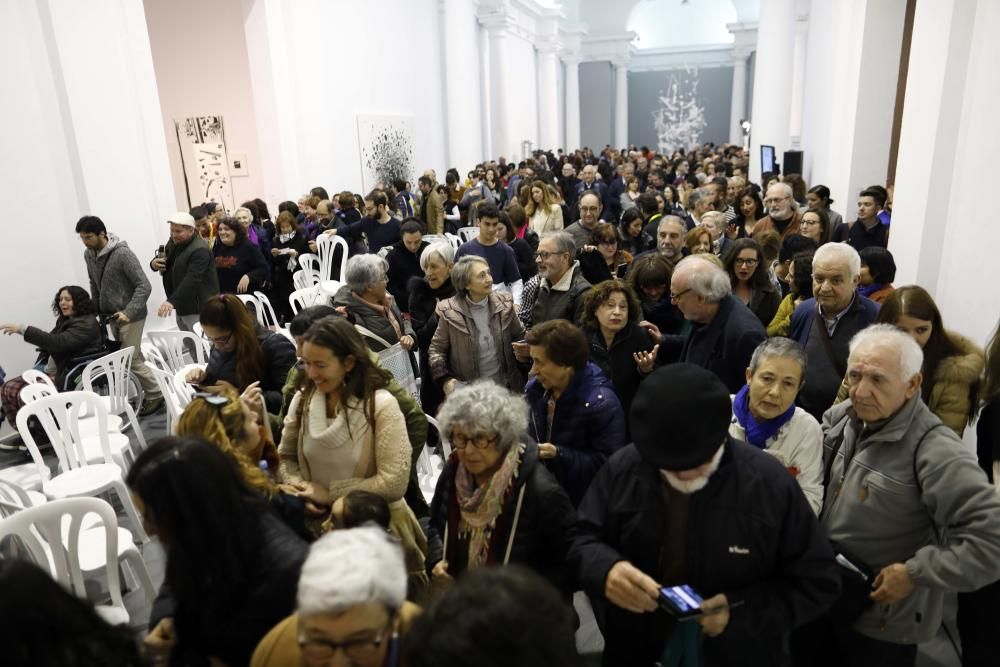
480, 508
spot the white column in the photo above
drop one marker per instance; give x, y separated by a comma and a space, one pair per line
621, 104
572, 104
501, 143
548, 96
738, 110
772, 80
798, 83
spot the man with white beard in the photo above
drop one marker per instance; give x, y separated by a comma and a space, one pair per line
688, 505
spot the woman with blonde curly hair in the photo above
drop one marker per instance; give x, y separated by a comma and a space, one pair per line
238, 426
543, 210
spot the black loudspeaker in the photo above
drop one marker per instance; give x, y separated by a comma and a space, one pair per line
792, 164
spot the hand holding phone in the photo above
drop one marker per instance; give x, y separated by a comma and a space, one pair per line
681, 601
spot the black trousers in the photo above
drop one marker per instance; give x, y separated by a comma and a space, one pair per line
979, 626
825, 644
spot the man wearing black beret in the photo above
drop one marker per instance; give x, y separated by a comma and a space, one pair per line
688, 505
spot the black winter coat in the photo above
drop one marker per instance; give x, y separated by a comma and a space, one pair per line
618, 364
750, 534
423, 318
403, 266
279, 357
544, 528
524, 251
723, 346
72, 337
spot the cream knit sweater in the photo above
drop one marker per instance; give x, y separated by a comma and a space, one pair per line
383, 462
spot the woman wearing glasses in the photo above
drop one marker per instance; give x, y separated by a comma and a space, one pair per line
751, 283
604, 258
351, 609
242, 352
495, 503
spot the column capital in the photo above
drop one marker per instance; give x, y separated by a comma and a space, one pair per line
548, 44
495, 18
616, 47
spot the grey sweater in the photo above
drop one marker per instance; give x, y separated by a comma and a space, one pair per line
930, 508
117, 281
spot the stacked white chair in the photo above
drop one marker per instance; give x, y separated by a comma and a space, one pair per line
87, 426
58, 416
175, 394
61, 536
468, 233
172, 346
326, 248
114, 368
303, 298
266, 315
456, 241
312, 266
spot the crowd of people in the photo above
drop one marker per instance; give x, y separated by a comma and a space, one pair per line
697, 399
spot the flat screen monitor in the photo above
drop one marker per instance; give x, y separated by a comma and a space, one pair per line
767, 159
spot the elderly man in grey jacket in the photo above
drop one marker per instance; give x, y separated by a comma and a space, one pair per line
905, 502
120, 289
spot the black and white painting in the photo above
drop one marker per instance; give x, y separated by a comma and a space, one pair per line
202, 143
385, 143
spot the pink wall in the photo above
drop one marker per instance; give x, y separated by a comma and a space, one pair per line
200, 58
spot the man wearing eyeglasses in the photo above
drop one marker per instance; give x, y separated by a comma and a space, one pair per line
560, 283
782, 212
724, 331
590, 214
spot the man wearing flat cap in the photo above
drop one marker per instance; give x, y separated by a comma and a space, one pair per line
188, 268
686, 504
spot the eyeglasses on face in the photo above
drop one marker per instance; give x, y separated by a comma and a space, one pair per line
479, 441
221, 340
745, 261
775, 200
544, 254
321, 651
677, 297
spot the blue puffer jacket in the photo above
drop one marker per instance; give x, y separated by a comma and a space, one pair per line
588, 426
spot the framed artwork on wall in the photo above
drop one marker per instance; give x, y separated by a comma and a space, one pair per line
385, 144
202, 143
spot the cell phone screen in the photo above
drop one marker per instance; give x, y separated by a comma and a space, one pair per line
681, 601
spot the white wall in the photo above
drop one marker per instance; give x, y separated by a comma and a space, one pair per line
201, 69
309, 91
463, 85
83, 136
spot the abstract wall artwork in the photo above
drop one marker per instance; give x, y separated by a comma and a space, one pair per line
385, 144
681, 118
202, 142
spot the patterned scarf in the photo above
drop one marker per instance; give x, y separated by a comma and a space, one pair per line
480, 508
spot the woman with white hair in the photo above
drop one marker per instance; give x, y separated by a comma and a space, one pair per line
495, 502
425, 294
476, 331
370, 305
351, 601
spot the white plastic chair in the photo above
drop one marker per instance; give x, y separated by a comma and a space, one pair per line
87, 427
430, 465
456, 241
152, 354
92, 537
171, 345
175, 397
56, 537
311, 264
12, 493
78, 476
468, 233
266, 315
33, 377
302, 279
114, 368
326, 248
253, 305
303, 298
